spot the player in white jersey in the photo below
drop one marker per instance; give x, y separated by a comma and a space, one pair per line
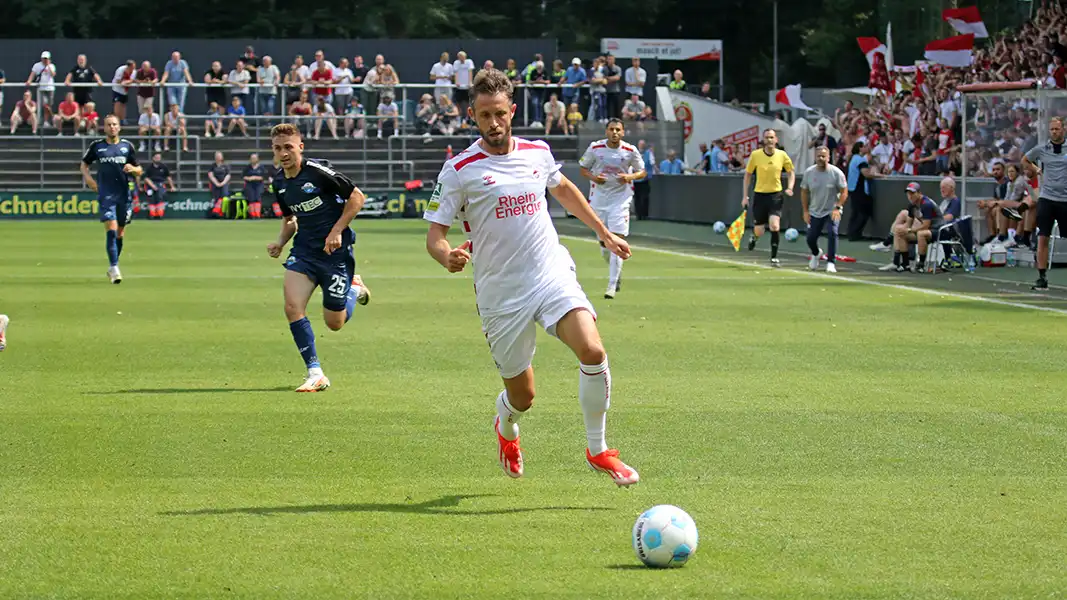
522, 274
612, 165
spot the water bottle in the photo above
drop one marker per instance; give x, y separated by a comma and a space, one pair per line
1011, 257
968, 263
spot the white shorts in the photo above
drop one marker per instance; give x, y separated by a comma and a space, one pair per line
512, 336
617, 219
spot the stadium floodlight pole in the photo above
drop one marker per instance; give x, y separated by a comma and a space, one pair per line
775, 74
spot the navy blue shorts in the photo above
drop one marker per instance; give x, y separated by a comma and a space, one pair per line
116, 209
253, 193
156, 196
219, 192
117, 97
332, 273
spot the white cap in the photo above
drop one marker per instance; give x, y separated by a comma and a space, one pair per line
46, 54
576, 61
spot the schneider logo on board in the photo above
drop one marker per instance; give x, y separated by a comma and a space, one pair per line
16, 205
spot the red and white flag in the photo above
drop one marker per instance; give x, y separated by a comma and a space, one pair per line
952, 52
966, 20
870, 46
790, 96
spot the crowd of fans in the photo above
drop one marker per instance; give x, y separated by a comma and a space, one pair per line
350, 99
919, 131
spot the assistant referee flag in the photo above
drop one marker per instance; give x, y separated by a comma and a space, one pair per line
737, 231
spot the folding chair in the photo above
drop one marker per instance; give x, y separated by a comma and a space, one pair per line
957, 237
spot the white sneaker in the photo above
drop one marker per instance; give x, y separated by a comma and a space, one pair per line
363, 295
610, 292
830, 268
880, 247
4, 320
777, 262
813, 262
889, 267
159, 147
316, 382
141, 147
114, 275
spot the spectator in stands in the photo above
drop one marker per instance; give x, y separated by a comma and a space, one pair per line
251, 64
677, 83
574, 117
342, 78
426, 117
823, 139
536, 80
633, 108
555, 115
320, 61
324, 113
613, 76
69, 112
448, 116
389, 117
218, 179
90, 118
882, 155
387, 81
149, 124
705, 90
215, 93
946, 144
176, 73
646, 114
82, 76
146, 79
355, 123
575, 77
295, 79
635, 79
43, 73
558, 76
237, 111
441, 76
269, 77
598, 101
488, 65
213, 122
511, 70
359, 71
463, 76
174, 124
239, 79
322, 78
719, 160
300, 111
371, 92
255, 183
672, 165
25, 113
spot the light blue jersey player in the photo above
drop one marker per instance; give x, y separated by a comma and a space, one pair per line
116, 165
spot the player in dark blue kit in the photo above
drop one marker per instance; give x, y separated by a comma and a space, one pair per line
317, 205
117, 166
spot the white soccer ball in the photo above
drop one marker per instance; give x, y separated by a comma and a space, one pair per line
719, 227
791, 235
664, 536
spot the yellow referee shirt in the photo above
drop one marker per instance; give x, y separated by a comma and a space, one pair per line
768, 170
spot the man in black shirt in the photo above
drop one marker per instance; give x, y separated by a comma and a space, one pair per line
83, 73
157, 179
318, 205
255, 178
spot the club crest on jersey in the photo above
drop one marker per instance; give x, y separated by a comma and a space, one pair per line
308, 188
488, 179
124, 149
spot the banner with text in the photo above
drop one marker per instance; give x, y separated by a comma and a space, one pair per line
705, 121
662, 49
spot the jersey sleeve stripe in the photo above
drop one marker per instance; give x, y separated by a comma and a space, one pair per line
469, 160
594, 147
530, 146
466, 227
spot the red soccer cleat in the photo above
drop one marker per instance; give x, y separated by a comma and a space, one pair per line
608, 462
509, 453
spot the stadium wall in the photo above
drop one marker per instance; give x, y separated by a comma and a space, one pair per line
411, 58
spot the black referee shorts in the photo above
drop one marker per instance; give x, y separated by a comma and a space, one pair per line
1048, 213
766, 205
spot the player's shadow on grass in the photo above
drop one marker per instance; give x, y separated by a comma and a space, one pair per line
627, 567
190, 391
430, 507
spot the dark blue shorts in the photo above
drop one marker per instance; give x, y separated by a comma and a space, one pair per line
117, 97
156, 196
219, 192
253, 193
116, 209
332, 273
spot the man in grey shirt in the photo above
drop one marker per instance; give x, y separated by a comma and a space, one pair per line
176, 72
1051, 160
613, 75
823, 194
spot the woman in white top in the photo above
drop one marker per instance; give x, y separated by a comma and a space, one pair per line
342, 78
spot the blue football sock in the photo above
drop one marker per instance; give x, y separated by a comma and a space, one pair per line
305, 341
350, 303
118, 245
112, 248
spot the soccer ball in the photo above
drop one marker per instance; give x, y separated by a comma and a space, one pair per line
719, 227
791, 235
664, 536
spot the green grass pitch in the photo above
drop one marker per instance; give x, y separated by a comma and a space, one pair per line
831, 439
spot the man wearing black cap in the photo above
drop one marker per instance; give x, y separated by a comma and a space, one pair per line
914, 224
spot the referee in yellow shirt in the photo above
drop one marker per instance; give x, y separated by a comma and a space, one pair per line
767, 201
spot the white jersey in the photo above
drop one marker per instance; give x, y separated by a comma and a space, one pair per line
501, 201
611, 162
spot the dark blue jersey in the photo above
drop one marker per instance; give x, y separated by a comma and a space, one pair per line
317, 196
259, 170
112, 181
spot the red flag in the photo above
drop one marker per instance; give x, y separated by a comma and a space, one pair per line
966, 20
870, 46
790, 96
879, 79
952, 52
920, 80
